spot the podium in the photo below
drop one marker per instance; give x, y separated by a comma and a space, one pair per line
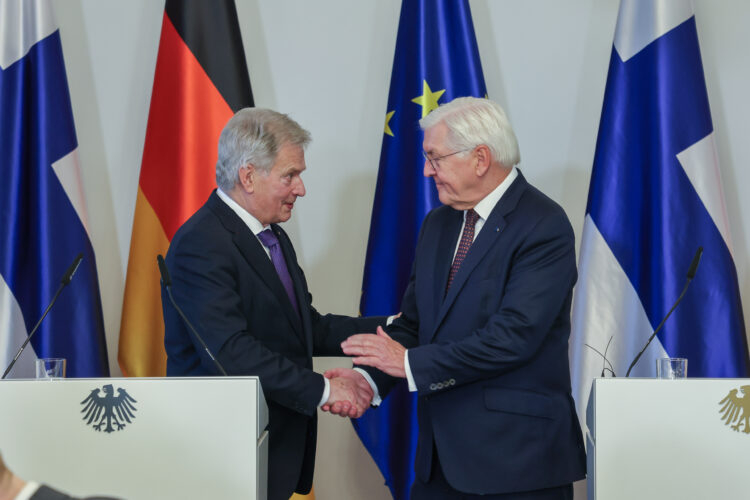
138, 438
668, 439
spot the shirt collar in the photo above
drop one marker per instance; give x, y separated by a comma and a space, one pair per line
250, 221
487, 204
28, 491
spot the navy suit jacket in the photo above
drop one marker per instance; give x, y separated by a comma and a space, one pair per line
47, 493
228, 288
490, 356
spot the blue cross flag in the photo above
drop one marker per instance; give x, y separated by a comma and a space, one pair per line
42, 211
655, 197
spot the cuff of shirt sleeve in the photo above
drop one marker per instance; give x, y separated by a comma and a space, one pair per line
390, 319
375, 393
409, 376
326, 392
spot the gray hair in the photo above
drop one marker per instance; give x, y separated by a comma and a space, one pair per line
472, 121
254, 136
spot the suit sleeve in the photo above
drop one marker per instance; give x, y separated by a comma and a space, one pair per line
205, 285
540, 281
330, 330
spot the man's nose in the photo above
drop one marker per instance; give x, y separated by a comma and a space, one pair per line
428, 170
299, 187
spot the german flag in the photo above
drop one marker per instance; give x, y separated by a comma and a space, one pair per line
201, 80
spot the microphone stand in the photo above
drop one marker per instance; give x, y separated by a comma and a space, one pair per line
63, 283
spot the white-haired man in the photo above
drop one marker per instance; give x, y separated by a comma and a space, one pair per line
483, 335
235, 274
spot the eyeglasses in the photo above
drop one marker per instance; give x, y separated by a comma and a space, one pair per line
434, 161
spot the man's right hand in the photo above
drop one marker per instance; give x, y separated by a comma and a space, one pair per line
350, 394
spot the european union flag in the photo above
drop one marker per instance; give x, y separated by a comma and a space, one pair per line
436, 61
655, 197
42, 210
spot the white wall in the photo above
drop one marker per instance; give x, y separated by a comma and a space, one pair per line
328, 64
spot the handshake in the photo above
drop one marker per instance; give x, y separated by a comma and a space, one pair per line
350, 394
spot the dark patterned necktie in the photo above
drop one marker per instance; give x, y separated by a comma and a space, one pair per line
269, 239
467, 238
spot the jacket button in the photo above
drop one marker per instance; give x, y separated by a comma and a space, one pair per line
452, 381
440, 385
433, 387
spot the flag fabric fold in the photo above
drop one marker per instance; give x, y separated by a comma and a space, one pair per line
43, 222
436, 60
200, 81
655, 197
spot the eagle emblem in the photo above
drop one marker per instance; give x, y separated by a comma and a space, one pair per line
737, 409
108, 412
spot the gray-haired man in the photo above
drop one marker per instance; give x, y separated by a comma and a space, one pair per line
235, 274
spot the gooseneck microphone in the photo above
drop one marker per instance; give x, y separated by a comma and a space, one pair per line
65, 281
690, 275
166, 281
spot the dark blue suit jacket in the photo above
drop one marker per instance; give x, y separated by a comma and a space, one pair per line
228, 288
47, 493
491, 355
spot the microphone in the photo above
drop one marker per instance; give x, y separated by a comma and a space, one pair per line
65, 281
690, 275
166, 281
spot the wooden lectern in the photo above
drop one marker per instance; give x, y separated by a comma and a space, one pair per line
138, 438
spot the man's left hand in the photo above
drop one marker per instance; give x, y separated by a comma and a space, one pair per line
379, 351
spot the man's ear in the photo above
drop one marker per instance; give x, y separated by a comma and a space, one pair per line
483, 158
246, 178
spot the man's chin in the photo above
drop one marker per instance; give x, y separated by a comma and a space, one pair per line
285, 215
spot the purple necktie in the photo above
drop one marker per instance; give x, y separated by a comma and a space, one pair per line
269, 239
467, 238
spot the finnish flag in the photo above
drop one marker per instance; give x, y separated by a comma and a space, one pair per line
655, 197
43, 222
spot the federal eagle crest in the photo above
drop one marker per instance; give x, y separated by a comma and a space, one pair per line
109, 412
737, 409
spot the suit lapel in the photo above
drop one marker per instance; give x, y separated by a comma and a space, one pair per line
487, 238
256, 257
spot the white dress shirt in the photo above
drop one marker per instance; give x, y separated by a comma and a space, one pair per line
484, 208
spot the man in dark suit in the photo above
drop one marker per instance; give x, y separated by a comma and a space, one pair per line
483, 336
235, 275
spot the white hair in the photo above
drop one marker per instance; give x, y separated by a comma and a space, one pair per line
472, 121
254, 136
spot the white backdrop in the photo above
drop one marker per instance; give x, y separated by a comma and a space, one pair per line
328, 64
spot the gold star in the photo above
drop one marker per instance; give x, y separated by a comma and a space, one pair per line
428, 100
388, 117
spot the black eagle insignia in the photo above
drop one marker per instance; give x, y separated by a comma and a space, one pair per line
109, 412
